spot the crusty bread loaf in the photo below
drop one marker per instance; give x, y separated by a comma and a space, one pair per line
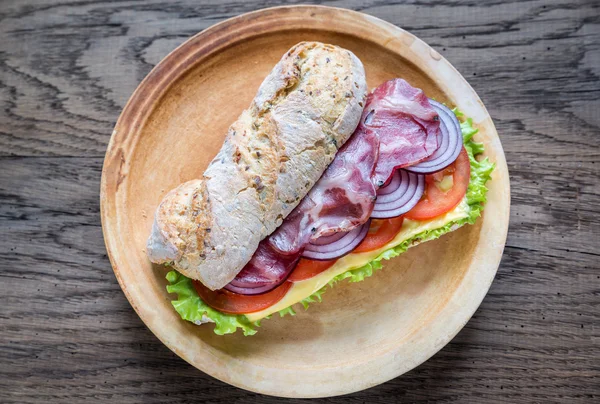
306, 108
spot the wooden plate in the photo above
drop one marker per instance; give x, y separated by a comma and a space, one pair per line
362, 334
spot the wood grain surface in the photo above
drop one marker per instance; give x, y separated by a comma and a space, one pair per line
67, 333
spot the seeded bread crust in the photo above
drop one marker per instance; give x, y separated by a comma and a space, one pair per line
304, 111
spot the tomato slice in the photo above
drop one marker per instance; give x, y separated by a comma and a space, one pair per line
381, 232
306, 269
234, 303
435, 201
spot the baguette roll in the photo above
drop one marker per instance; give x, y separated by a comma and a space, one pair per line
304, 111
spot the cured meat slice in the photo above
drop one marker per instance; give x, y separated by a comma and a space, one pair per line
267, 268
340, 201
407, 126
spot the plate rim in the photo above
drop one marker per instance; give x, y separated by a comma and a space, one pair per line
155, 79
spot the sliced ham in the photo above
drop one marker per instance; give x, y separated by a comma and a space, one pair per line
267, 268
407, 125
340, 201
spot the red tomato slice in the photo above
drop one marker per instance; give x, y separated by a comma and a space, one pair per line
306, 269
436, 202
381, 232
234, 303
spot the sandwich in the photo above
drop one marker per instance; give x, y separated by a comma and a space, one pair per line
317, 181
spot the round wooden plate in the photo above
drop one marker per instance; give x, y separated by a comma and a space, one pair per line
362, 334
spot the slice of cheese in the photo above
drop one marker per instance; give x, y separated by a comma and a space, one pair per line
410, 228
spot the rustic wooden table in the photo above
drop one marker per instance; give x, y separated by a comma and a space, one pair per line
67, 333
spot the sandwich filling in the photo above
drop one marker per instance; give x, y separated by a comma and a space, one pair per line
305, 280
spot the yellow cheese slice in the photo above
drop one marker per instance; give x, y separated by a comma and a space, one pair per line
410, 228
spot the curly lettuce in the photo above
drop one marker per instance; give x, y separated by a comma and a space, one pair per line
191, 308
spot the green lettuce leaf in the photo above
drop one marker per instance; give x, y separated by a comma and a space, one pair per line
191, 308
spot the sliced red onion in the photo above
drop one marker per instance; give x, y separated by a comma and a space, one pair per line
394, 182
401, 194
324, 240
250, 291
451, 143
334, 246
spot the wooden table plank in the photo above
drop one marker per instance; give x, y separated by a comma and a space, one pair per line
67, 333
